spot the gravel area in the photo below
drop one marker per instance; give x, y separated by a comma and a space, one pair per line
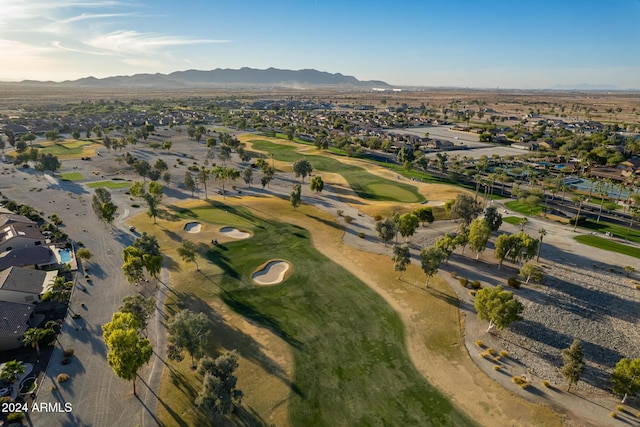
598, 307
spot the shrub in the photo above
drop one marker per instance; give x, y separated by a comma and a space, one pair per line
62, 377
479, 343
463, 281
637, 287
476, 284
6, 399
513, 282
135, 205
15, 417
504, 353
68, 352
377, 217
361, 235
348, 219
620, 408
638, 415
490, 351
340, 212
546, 383
613, 415
497, 367
522, 382
611, 270
454, 274
485, 355
472, 293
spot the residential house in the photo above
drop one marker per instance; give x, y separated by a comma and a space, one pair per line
19, 235
31, 257
14, 322
22, 285
529, 146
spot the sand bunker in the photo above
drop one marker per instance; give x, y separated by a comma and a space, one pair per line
272, 273
192, 227
434, 203
234, 233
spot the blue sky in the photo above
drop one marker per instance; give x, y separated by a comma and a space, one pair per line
484, 44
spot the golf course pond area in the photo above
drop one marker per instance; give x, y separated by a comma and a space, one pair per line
272, 273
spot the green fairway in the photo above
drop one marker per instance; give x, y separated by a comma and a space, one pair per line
365, 184
616, 230
65, 148
523, 209
71, 176
351, 364
109, 184
609, 245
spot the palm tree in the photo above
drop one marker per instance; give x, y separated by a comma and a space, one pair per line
523, 222
601, 188
32, 337
580, 200
10, 372
541, 232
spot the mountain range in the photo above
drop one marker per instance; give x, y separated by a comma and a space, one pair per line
224, 78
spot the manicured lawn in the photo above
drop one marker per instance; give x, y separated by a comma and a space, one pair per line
65, 148
348, 344
515, 220
609, 245
71, 176
365, 184
109, 184
617, 230
523, 209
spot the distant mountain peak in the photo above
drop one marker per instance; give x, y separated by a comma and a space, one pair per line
230, 78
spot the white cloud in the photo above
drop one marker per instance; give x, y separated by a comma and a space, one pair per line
134, 42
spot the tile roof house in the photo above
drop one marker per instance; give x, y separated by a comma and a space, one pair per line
20, 235
21, 285
31, 257
14, 321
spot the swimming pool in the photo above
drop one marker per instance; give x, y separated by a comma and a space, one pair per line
65, 255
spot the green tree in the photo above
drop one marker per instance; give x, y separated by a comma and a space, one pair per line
188, 251
302, 167
479, 233
498, 306
431, 258
386, 229
462, 238
187, 332
219, 391
493, 218
316, 184
247, 175
203, 177
140, 308
189, 182
52, 135
629, 269
152, 205
625, 379
167, 145
128, 352
424, 214
407, 225
531, 271
84, 254
47, 162
11, 371
166, 177
573, 363
401, 258
296, 196
465, 208
102, 205
32, 337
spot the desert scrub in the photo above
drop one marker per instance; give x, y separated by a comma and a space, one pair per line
485, 355
62, 377
497, 367
546, 383
361, 235
490, 351
620, 408
504, 353
463, 281
348, 219
454, 274
479, 343
68, 352
476, 284
522, 382
613, 415
472, 293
